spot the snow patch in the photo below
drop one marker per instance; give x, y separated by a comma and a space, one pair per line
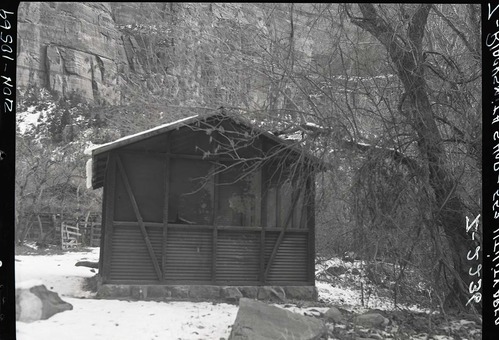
88, 168
112, 319
132, 320
90, 147
31, 118
28, 284
57, 272
139, 134
28, 119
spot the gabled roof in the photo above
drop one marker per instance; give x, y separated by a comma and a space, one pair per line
95, 171
137, 137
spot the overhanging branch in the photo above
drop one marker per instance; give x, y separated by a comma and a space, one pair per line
313, 130
397, 156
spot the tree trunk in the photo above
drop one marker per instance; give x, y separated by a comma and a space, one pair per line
406, 54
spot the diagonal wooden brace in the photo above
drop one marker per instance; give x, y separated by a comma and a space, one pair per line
139, 218
294, 200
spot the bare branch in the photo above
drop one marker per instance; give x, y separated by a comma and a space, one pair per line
460, 34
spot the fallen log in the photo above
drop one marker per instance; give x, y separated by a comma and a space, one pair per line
89, 264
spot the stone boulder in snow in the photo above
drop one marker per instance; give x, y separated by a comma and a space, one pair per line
270, 293
336, 270
231, 294
371, 319
256, 320
333, 314
35, 302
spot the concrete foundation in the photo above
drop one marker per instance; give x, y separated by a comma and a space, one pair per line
207, 292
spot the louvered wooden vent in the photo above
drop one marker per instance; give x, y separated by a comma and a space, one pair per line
238, 256
189, 255
290, 262
130, 259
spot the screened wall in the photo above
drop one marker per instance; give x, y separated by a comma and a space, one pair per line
178, 211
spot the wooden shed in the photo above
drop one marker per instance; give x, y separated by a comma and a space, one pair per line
206, 200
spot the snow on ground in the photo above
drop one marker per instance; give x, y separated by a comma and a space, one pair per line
112, 319
121, 319
137, 320
351, 299
57, 272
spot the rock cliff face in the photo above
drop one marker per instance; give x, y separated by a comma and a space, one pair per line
114, 52
92, 48
70, 47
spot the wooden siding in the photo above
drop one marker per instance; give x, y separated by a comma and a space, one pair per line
130, 258
188, 254
290, 262
238, 256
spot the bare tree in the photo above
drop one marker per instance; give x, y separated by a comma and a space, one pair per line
410, 57
388, 96
50, 167
399, 90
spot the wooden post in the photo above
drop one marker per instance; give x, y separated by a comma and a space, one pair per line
165, 214
277, 205
262, 255
62, 236
216, 198
97, 234
54, 222
139, 218
40, 224
85, 230
310, 197
258, 197
214, 255
92, 226
263, 210
108, 218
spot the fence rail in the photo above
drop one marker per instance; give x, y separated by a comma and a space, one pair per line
91, 233
70, 236
50, 228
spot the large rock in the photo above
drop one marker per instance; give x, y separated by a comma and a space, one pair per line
38, 303
256, 320
333, 314
371, 319
249, 291
181, 292
231, 294
336, 270
158, 292
271, 293
113, 291
204, 292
